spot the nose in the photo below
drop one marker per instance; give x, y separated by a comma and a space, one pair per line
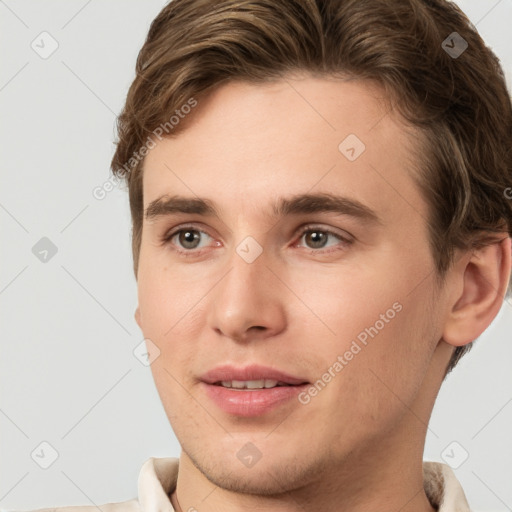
248, 302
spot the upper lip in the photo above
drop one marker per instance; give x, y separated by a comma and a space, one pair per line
251, 372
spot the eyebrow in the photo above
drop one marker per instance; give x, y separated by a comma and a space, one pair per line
286, 206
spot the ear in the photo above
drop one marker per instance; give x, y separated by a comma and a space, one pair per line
137, 317
483, 277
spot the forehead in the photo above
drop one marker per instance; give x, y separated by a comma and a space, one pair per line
245, 144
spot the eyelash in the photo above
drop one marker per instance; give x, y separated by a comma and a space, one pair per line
167, 237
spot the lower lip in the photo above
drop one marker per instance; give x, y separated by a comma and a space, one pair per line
251, 402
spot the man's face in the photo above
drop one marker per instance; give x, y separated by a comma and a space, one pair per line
352, 316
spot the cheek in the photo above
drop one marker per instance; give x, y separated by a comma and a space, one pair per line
166, 299
347, 302
170, 320
388, 371
378, 330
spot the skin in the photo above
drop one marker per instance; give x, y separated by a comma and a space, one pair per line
358, 444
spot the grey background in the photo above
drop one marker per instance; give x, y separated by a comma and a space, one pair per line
69, 376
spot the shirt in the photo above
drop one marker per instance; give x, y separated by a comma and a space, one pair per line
158, 477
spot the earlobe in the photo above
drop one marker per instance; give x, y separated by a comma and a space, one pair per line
485, 280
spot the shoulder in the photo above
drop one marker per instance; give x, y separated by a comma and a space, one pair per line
443, 489
124, 506
157, 477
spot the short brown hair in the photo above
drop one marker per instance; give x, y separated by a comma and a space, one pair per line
459, 102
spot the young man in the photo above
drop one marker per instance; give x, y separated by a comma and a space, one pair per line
320, 231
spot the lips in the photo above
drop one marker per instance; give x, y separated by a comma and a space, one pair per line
250, 373
239, 391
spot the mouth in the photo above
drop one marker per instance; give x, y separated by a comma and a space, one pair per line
251, 391
253, 376
252, 384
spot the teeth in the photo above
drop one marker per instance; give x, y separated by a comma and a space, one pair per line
251, 384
